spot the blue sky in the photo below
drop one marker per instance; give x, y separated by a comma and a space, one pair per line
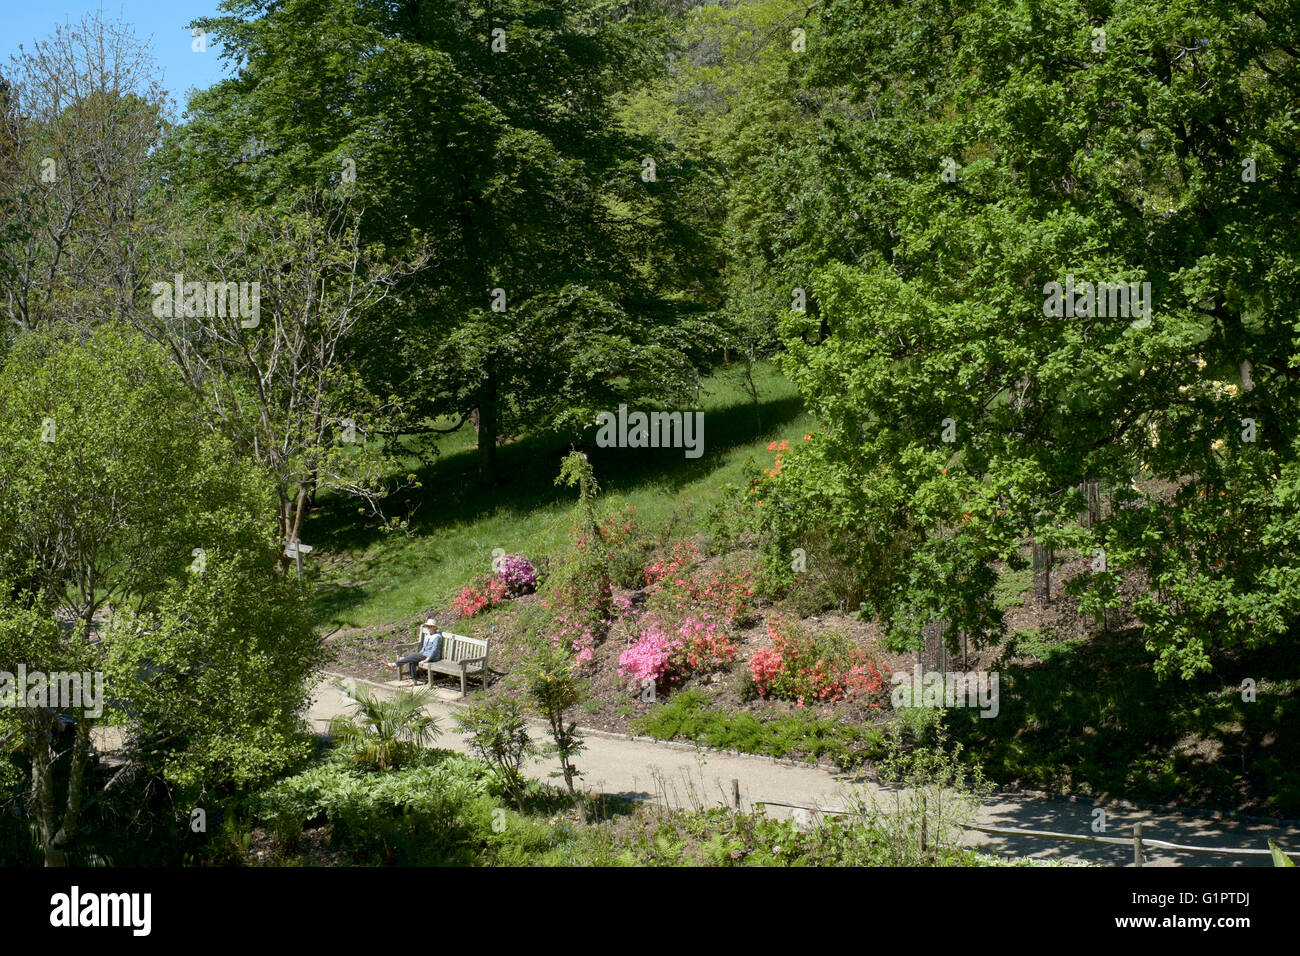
159, 23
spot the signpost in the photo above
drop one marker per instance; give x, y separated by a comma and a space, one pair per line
296, 549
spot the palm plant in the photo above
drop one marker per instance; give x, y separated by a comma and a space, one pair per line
384, 732
1279, 856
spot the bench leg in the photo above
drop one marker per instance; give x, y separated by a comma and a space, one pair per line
462, 683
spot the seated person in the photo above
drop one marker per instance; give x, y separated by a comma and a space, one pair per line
430, 650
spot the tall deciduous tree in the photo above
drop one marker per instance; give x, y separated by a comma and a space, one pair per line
79, 114
258, 309
489, 132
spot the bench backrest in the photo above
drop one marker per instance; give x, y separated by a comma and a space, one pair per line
458, 647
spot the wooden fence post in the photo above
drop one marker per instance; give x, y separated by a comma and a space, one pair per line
1040, 573
735, 794
1137, 844
923, 826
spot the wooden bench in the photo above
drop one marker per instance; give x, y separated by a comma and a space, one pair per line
461, 656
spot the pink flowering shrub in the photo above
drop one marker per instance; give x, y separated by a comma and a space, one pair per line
810, 670
647, 657
579, 636
668, 653
517, 574
683, 628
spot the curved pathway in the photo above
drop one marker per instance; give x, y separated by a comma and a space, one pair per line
683, 775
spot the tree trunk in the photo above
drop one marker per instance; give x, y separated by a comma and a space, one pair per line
39, 740
489, 426
56, 850
42, 740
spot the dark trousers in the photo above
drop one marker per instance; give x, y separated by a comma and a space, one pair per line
412, 660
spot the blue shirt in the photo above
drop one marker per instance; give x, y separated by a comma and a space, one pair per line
432, 647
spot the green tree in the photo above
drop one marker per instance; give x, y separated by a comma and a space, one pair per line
554, 691
281, 383
134, 545
556, 288
994, 150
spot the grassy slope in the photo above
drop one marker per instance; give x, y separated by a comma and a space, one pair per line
369, 578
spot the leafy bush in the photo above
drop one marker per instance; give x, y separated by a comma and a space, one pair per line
719, 837
731, 521
804, 668
914, 721
690, 716
435, 812
497, 733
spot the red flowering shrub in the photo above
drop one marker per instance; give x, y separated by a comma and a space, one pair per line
716, 595
683, 555
474, 597
778, 447
809, 669
704, 647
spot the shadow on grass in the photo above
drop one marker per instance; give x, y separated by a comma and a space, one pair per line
331, 598
1091, 718
451, 495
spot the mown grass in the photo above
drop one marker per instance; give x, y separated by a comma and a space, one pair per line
368, 578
